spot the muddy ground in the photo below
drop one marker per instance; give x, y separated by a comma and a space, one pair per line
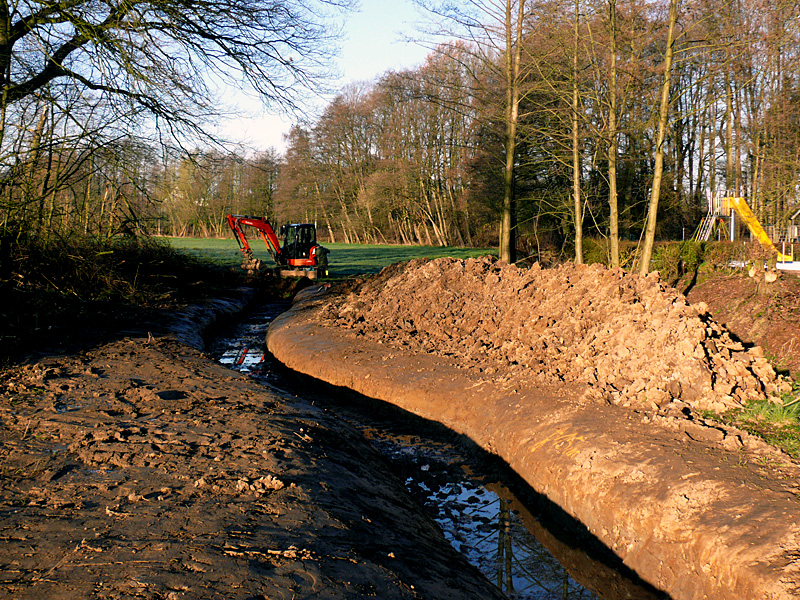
138, 468
141, 469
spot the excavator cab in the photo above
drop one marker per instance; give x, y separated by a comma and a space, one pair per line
298, 240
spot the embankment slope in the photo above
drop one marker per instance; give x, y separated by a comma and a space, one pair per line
588, 383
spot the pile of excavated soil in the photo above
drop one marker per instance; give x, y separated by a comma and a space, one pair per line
633, 341
696, 509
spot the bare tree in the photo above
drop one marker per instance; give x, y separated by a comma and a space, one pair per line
576, 152
663, 117
437, 168
495, 31
157, 57
511, 71
613, 137
95, 73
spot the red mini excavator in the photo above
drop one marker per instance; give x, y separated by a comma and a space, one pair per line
300, 255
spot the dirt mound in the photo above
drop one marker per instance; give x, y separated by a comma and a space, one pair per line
631, 340
698, 510
768, 315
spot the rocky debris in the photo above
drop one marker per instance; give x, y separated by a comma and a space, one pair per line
770, 320
631, 340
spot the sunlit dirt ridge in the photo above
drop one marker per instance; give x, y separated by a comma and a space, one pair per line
588, 383
632, 340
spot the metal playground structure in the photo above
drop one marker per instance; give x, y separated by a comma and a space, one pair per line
723, 212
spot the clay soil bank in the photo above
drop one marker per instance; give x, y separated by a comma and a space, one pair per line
589, 383
141, 469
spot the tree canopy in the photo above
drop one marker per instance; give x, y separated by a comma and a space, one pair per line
615, 117
421, 155
157, 57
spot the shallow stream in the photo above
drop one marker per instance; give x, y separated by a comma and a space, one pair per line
528, 547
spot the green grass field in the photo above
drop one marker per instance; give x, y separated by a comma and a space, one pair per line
345, 260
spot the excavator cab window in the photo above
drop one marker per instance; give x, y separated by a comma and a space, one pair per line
299, 240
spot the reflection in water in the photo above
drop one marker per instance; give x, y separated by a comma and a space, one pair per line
245, 360
243, 349
505, 553
514, 543
481, 520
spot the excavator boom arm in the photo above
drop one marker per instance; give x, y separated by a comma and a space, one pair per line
235, 222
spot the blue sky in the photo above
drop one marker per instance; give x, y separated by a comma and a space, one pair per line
374, 43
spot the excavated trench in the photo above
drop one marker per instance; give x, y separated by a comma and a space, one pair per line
518, 539
595, 386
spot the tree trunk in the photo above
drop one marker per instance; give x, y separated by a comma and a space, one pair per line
737, 133
755, 190
663, 117
5, 63
35, 170
508, 246
730, 182
613, 209
576, 157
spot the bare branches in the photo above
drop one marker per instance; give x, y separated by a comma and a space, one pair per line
159, 54
102, 77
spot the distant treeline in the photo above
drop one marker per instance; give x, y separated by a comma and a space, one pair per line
419, 156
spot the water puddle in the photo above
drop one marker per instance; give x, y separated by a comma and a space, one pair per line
516, 538
243, 349
480, 517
